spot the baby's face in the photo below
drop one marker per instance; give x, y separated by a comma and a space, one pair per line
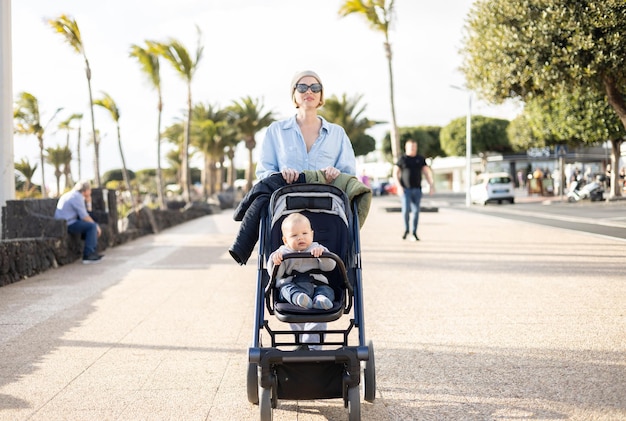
298, 236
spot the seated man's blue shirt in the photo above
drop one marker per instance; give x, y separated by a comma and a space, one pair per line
284, 147
71, 207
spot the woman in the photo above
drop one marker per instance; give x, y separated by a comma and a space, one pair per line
306, 141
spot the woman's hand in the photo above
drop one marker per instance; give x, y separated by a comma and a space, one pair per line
290, 175
331, 173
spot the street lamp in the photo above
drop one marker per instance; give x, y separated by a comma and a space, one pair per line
468, 146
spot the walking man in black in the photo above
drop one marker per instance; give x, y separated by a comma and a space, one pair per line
408, 173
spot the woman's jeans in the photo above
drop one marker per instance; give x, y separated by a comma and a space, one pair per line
411, 203
88, 230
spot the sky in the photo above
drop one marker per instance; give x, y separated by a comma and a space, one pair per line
251, 48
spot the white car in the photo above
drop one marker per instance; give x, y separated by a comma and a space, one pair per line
493, 187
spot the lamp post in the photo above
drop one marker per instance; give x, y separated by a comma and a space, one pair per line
468, 146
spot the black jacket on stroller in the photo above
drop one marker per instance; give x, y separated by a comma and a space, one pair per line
250, 209
249, 212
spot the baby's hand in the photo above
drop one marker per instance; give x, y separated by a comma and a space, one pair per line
277, 258
317, 251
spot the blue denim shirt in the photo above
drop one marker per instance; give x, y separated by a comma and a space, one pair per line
284, 147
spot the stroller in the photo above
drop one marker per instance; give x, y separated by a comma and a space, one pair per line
280, 367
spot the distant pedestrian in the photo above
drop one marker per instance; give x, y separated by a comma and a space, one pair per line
408, 173
72, 206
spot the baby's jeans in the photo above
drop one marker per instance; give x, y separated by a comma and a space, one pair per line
290, 289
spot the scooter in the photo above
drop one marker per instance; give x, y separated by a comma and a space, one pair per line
592, 191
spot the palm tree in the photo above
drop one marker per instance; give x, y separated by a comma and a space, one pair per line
178, 56
149, 62
28, 122
248, 116
24, 168
347, 112
68, 27
379, 14
67, 126
206, 126
108, 104
57, 157
230, 139
174, 134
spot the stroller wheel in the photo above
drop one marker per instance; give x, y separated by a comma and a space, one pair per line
354, 403
252, 384
369, 375
265, 403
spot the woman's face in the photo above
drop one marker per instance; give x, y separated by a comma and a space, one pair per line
308, 99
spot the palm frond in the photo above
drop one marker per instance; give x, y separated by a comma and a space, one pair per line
108, 104
68, 28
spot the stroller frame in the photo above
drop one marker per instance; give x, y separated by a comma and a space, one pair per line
306, 374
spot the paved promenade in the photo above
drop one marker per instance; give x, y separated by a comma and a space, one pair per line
484, 319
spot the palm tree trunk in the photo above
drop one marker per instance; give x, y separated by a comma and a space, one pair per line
205, 177
58, 174
67, 168
159, 173
96, 158
220, 175
125, 171
43, 177
185, 173
80, 171
395, 138
232, 171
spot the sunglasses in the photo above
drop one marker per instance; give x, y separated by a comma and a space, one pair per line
303, 87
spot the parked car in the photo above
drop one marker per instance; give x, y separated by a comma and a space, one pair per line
493, 187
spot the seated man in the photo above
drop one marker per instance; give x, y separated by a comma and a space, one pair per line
72, 207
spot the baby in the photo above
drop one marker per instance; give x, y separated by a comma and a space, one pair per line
307, 290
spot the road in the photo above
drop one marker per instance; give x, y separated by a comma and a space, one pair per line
485, 318
601, 218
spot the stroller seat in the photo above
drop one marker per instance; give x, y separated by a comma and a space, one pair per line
292, 313
330, 226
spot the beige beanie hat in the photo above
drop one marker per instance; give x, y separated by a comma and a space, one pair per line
299, 75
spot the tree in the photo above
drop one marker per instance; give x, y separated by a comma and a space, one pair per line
488, 135
535, 48
149, 62
249, 117
67, 126
108, 104
178, 56
573, 116
379, 14
28, 122
348, 114
57, 157
207, 124
117, 175
27, 170
68, 28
